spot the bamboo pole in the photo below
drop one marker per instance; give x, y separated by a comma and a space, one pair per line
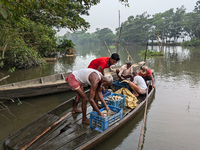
47, 129
144, 120
107, 48
4, 77
120, 28
128, 53
145, 53
162, 40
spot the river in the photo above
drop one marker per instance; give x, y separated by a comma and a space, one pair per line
173, 117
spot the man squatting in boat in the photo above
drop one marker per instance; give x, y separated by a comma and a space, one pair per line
93, 78
125, 71
138, 85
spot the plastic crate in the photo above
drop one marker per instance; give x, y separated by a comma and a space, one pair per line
120, 103
106, 93
102, 123
118, 85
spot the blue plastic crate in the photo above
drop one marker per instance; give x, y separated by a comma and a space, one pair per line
102, 123
118, 85
120, 103
106, 93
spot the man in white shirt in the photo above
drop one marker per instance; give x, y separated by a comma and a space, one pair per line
138, 85
125, 71
93, 78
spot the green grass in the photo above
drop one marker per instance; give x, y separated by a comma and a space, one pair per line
151, 53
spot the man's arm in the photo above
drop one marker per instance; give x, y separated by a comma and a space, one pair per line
100, 95
100, 70
94, 80
120, 72
152, 81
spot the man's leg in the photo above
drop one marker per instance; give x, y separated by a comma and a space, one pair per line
84, 98
75, 110
134, 87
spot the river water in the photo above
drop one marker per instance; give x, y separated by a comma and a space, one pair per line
173, 117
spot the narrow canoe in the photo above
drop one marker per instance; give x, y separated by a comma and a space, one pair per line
44, 85
70, 133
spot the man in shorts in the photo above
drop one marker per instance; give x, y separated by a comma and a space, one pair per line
138, 85
104, 62
93, 78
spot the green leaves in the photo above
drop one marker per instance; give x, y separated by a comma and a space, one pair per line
3, 12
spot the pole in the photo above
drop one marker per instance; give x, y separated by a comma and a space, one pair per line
4, 77
144, 120
107, 48
145, 53
128, 53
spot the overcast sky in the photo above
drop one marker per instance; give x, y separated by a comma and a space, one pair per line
105, 14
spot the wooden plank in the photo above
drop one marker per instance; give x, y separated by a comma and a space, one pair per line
73, 123
86, 136
31, 132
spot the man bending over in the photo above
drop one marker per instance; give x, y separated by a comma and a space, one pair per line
93, 78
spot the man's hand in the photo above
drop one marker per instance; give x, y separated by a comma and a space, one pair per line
101, 114
107, 108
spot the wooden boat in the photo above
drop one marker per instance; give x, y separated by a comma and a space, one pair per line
44, 85
50, 59
69, 133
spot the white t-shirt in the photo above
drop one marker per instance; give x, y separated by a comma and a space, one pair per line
82, 75
140, 82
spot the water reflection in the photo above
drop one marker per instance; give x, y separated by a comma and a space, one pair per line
177, 86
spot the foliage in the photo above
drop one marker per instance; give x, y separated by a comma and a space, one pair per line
192, 42
22, 57
151, 53
111, 46
65, 43
135, 29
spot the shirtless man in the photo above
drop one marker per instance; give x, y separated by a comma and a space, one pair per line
93, 78
125, 71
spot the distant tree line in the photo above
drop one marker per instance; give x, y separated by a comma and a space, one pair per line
169, 26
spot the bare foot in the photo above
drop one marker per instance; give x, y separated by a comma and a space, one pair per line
76, 111
87, 121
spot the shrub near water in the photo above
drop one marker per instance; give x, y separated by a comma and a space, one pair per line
151, 53
23, 57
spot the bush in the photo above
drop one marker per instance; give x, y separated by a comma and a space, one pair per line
192, 42
151, 53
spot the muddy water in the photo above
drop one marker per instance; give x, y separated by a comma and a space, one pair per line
173, 118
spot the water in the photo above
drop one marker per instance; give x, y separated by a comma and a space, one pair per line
173, 117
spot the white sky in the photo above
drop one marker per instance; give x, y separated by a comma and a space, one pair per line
105, 14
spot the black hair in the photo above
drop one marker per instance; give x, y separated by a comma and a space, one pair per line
115, 56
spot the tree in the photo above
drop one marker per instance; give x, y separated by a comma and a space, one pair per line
105, 34
136, 29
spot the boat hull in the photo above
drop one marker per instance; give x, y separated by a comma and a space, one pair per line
77, 136
46, 85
